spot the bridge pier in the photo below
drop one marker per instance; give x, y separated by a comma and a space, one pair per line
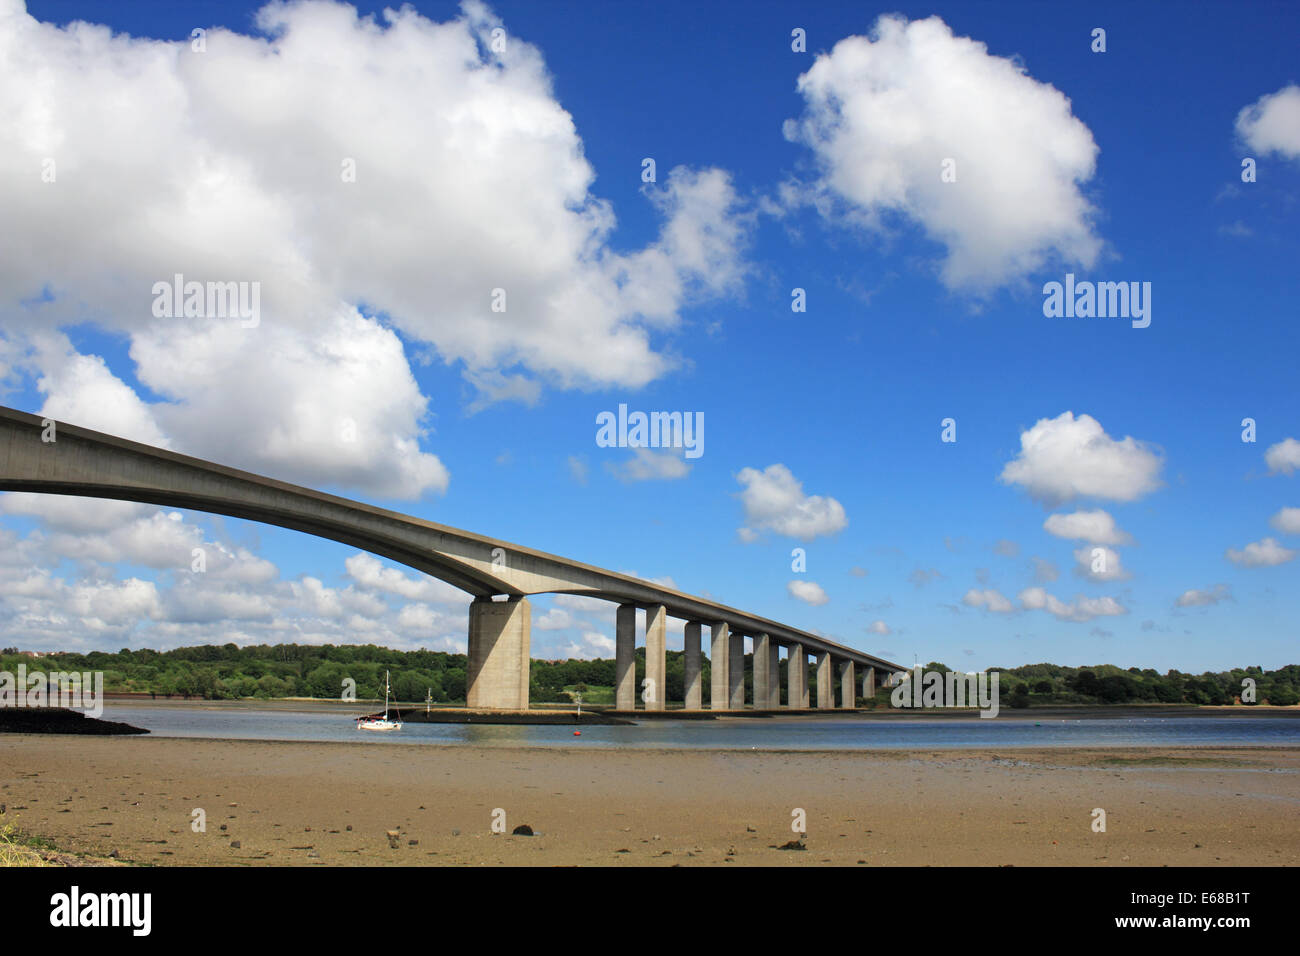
694, 691
794, 676
625, 657
499, 641
825, 683
762, 661
656, 663
848, 685
736, 673
719, 659
774, 675
869, 683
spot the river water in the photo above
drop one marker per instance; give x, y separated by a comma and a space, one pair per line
794, 733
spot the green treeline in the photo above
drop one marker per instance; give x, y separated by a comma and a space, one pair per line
229, 672
1041, 684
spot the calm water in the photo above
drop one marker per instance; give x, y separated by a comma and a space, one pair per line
763, 734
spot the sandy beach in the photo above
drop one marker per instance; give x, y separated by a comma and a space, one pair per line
273, 803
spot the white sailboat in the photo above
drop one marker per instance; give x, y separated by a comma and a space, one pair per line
380, 723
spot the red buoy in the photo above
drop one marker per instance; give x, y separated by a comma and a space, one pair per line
577, 733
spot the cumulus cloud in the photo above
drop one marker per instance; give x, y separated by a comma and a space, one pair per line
1195, 598
988, 599
652, 464
1082, 608
73, 515
379, 178
774, 500
1284, 457
1260, 554
1272, 123
1287, 521
884, 113
1099, 564
1064, 458
233, 595
879, 627
592, 645
370, 573
810, 592
1095, 527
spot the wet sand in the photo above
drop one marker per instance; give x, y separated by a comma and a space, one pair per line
293, 804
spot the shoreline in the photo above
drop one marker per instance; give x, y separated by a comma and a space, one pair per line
455, 714
349, 803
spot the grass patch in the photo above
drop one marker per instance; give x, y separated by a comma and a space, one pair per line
18, 850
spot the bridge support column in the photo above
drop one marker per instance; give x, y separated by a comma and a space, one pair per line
625, 657
825, 682
656, 663
499, 640
762, 661
869, 683
692, 675
774, 676
794, 669
719, 660
848, 686
736, 673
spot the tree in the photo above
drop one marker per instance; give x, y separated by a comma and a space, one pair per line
1085, 682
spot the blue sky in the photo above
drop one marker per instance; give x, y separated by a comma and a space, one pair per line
823, 427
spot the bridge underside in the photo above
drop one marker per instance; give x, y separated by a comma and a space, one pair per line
37, 455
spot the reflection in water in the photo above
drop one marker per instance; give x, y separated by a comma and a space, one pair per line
770, 734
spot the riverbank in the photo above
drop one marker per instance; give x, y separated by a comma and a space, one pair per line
378, 803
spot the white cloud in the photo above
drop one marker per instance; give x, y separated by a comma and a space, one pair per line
1195, 598
1064, 458
555, 619
229, 166
774, 500
650, 464
1260, 554
1099, 564
810, 592
592, 645
1286, 521
1272, 123
368, 572
115, 602
884, 113
989, 599
1080, 609
74, 515
1284, 457
1095, 527
879, 627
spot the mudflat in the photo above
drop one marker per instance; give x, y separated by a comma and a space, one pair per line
370, 802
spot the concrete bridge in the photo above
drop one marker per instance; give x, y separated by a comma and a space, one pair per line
39, 455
